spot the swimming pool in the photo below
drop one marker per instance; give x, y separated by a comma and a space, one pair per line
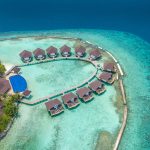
18, 83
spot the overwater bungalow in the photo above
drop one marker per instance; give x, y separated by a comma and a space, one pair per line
26, 56
39, 54
16, 70
95, 54
26, 94
107, 77
80, 51
70, 100
65, 51
52, 52
97, 86
85, 94
54, 107
110, 67
4, 86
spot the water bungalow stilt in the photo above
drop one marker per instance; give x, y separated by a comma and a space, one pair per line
26, 56
85, 94
26, 94
65, 51
107, 77
109, 67
54, 107
52, 52
97, 86
39, 54
80, 51
95, 54
70, 100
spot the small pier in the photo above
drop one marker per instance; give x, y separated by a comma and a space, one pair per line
45, 98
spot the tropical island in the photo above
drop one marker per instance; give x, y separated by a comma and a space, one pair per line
8, 106
102, 74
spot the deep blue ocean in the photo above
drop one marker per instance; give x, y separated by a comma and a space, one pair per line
124, 15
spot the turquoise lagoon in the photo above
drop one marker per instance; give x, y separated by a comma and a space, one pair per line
79, 128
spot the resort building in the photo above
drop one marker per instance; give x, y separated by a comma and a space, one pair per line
65, 51
39, 54
26, 56
26, 94
110, 67
97, 86
107, 77
54, 107
4, 86
95, 54
52, 52
70, 100
16, 70
80, 51
85, 94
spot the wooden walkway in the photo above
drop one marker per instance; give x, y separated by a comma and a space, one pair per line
8, 71
59, 58
43, 99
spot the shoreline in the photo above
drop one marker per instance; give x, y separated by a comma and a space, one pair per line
123, 124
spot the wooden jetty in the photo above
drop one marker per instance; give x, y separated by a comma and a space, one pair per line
45, 98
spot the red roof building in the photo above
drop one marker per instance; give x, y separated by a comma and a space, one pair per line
70, 100
97, 86
95, 54
52, 51
65, 51
110, 67
80, 51
16, 70
4, 86
54, 107
39, 54
85, 94
107, 77
26, 93
26, 56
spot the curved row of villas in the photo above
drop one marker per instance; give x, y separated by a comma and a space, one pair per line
71, 100
52, 52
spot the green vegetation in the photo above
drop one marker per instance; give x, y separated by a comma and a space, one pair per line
8, 110
2, 69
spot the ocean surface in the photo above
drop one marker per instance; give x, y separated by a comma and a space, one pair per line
121, 15
133, 54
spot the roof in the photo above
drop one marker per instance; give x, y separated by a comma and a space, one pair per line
65, 48
95, 52
25, 54
38, 52
16, 69
67, 97
80, 49
95, 85
105, 76
51, 49
26, 93
50, 104
4, 86
108, 66
82, 91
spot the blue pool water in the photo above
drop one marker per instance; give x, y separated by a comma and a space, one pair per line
18, 83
